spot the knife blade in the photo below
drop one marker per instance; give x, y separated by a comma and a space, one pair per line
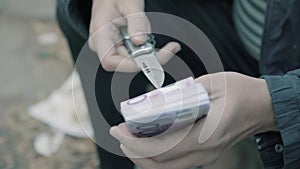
144, 57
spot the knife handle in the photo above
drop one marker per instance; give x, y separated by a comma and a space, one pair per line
138, 50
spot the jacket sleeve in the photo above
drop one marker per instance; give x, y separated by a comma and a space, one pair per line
285, 93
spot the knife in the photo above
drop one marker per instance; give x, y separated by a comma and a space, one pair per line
144, 57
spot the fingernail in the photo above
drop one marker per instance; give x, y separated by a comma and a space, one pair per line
177, 48
122, 146
140, 37
113, 130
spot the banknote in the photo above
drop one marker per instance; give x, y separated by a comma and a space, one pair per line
158, 100
165, 109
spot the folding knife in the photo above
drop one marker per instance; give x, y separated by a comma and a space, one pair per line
144, 57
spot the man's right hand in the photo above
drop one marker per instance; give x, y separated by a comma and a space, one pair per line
108, 16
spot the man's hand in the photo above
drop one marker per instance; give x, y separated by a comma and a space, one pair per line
108, 16
240, 107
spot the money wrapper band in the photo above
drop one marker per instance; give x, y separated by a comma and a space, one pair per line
166, 109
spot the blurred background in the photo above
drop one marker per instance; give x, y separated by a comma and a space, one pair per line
35, 61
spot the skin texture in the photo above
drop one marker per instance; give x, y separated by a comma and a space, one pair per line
241, 106
108, 16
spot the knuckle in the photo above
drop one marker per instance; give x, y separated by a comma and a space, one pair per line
108, 65
91, 44
91, 30
205, 77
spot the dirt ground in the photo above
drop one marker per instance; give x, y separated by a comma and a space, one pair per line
29, 71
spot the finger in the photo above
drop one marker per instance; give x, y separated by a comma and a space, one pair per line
163, 147
206, 132
144, 163
104, 22
119, 63
129, 153
137, 21
106, 43
127, 65
205, 81
143, 146
91, 45
167, 52
121, 131
104, 40
138, 27
163, 55
121, 49
213, 84
184, 162
183, 141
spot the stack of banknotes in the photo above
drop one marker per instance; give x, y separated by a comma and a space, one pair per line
166, 109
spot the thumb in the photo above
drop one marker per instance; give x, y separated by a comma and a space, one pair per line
206, 82
213, 83
138, 24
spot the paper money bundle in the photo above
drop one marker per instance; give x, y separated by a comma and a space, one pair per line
166, 109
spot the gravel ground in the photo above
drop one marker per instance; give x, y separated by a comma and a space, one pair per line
29, 72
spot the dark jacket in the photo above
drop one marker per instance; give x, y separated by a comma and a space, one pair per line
279, 65
281, 54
